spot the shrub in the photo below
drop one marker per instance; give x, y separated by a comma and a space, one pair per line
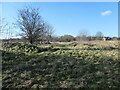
29, 48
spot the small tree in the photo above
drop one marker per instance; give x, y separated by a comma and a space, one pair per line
55, 39
3, 27
99, 35
49, 32
67, 38
30, 23
83, 35
6, 29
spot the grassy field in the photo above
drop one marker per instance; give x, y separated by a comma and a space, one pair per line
92, 64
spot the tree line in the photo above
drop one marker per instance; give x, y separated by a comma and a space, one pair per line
35, 29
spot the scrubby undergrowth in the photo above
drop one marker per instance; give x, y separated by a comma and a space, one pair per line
49, 68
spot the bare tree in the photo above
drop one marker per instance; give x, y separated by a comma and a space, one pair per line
3, 26
30, 23
5, 29
99, 35
5, 33
83, 35
49, 32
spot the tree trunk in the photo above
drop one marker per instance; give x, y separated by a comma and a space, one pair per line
31, 41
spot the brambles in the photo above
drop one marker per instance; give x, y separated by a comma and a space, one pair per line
30, 49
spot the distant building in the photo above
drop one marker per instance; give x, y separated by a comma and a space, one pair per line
115, 38
118, 38
106, 38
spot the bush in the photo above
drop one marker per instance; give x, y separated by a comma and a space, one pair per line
29, 48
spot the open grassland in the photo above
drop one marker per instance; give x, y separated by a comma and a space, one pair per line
93, 64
